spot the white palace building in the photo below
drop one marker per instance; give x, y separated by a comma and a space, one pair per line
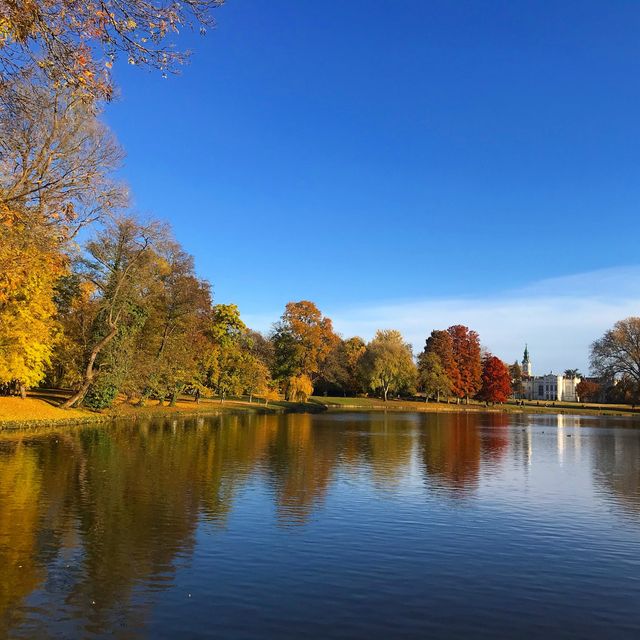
549, 387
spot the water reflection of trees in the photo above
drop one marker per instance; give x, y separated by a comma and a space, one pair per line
94, 514
97, 512
451, 453
20, 487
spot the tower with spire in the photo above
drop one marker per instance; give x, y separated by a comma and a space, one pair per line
526, 363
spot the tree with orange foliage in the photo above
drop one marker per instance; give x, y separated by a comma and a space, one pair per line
496, 380
76, 43
466, 355
303, 340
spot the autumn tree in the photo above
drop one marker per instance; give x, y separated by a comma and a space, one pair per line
387, 364
616, 355
30, 265
255, 376
496, 380
587, 390
118, 263
76, 310
303, 340
56, 160
298, 388
225, 361
259, 346
174, 333
76, 43
622, 390
440, 344
432, 377
256, 363
467, 357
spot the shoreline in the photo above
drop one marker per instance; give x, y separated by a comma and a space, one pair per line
39, 410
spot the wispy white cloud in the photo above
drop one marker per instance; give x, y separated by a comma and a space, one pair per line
558, 318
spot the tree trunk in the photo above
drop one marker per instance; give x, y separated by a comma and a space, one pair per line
143, 398
174, 396
250, 397
23, 391
438, 396
89, 372
386, 391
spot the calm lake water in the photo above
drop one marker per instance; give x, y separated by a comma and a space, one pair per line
350, 525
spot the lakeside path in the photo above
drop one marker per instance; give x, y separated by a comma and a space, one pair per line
40, 409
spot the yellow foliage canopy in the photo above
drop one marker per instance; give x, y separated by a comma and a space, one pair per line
299, 388
30, 264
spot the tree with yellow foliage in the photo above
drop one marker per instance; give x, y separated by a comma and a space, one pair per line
298, 388
30, 264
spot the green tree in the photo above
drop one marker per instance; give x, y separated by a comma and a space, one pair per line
515, 371
174, 334
119, 263
254, 375
440, 343
225, 362
387, 364
340, 372
432, 377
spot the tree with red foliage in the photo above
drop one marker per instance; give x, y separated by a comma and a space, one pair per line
466, 355
496, 380
587, 391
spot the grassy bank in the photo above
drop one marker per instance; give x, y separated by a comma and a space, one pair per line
375, 404
41, 408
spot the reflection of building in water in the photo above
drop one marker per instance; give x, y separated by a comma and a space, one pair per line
548, 387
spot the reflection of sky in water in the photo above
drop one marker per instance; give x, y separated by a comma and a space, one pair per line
335, 525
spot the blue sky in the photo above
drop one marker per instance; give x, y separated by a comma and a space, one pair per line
416, 160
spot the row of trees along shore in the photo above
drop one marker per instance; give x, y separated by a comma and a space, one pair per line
124, 314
